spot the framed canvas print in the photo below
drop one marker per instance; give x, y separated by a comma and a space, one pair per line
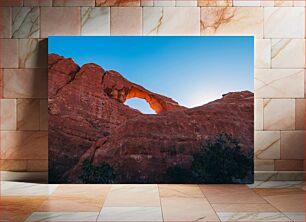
151, 109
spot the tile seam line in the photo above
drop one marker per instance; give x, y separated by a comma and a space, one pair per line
209, 202
160, 203
109, 190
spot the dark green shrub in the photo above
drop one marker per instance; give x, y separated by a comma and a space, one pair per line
178, 174
53, 173
220, 160
103, 173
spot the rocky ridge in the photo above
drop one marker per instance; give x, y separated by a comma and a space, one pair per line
89, 120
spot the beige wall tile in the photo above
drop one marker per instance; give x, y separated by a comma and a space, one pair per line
37, 165
5, 22
292, 144
4, 3
163, 3
304, 83
232, 21
28, 49
284, 22
267, 3
28, 114
117, 2
279, 114
13, 165
300, 114
284, 50
207, 3
95, 21
262, 53
37, 2
299, 3
42, 60
8, 53
25, 22
51, 17
171, 21
258, 116
146, 2
267, 145
24, 145
279, 3
1, 83
279, 83
126, 21
43, 123
186, 3
33, 53
8, 114
73, 2
264, 165
246, 3
25, 83
289, 165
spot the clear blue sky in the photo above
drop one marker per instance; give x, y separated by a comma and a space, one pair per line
190, 70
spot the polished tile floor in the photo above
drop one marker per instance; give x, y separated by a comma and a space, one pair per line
262, 201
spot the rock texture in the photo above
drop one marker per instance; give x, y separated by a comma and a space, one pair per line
88, 120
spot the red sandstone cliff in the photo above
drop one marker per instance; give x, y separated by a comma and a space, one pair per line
88, 120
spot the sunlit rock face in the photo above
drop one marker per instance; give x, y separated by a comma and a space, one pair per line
88, 120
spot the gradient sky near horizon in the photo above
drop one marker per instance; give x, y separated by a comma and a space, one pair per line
191, 70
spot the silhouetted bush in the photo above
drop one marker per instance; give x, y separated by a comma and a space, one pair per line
178, 174
103, 173
53, 173
220, 160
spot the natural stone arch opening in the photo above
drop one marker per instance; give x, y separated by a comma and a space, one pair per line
136, 93
139, 104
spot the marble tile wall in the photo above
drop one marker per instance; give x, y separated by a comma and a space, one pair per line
278, 27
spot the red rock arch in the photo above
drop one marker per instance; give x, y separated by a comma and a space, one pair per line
119, 88
136, 93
